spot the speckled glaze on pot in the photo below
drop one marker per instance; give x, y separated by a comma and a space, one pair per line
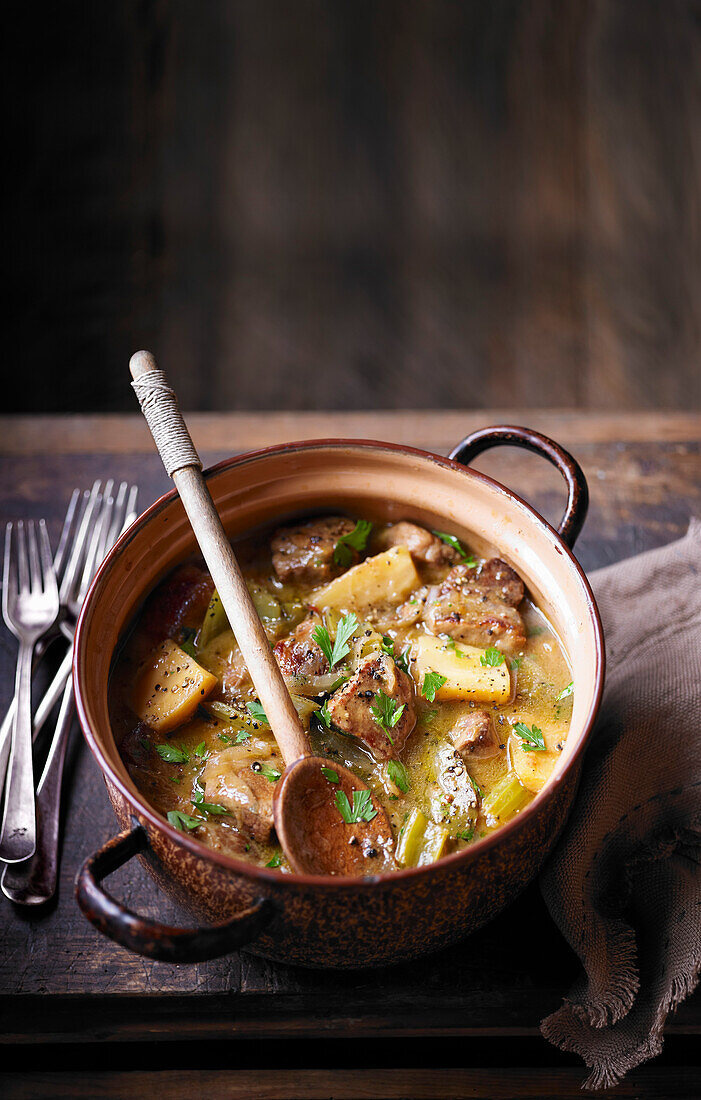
333, 922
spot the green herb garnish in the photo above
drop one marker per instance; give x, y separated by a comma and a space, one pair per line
201, 751
172, 754
566, 692
492, 657
323, 714
433, 681
255, 709
270, 773
182, 821
354, 540
531, 737
465, 834
515, 663
197, 800
399, 775
275, 861
362, 809
330, 775
336, 651
451, 540
188, 643
242, 736
387, 711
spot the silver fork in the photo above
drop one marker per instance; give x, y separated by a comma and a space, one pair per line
74, 533
30, 608
34, 881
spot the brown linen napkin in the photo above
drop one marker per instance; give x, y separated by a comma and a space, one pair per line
624, 884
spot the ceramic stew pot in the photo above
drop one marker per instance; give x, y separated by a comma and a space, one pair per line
336, 922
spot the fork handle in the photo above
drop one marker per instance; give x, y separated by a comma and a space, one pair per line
34, 881
18, 839
47, 704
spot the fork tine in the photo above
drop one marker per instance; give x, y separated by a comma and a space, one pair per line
22, 566
70, 576
34, 567
112, 534
130, 514
9, 573
47, 565
71, 513
92, 559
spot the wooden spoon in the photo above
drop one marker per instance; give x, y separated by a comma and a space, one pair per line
315, 796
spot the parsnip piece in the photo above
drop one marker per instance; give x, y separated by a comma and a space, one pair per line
170, 688
385, 578
534, 768
465, 676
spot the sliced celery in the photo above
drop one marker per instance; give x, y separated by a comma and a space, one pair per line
504, 800
214, 622
411, 838
266, 605
433, 846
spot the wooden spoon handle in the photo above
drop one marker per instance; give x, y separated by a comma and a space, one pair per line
160, 406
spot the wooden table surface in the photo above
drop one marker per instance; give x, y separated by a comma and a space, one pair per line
77, 1010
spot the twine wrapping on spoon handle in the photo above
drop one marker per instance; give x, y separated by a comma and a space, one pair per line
159, 405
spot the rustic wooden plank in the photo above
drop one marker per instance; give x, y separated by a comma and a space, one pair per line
229, 433
387, 1083
642, 495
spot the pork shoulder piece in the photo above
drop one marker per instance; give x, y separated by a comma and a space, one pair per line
479, 607
304, 552
350, 708
298, 654
474, 736
423, 546
246, 793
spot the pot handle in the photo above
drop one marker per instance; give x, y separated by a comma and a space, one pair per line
514, 436
157, 941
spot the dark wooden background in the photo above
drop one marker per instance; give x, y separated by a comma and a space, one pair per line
317, 204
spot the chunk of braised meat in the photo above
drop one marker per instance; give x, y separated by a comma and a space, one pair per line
180, 601
350, 708
413, 609
496, 577
477, 607
459, 790
421, 544
298, 654
474, 736
136, 744
246, 793
304, 553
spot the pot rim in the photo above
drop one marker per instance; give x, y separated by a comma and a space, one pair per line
325, 882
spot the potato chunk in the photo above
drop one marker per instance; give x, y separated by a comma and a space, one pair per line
465, 676
170, 687
534, 768
385, 578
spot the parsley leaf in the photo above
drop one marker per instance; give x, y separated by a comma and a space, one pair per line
433, 681
270, 773
201, 751
451, 540
344, 632
386, 711
492, 657
275, 861
355, 539
183, 821
257, 713
362, 809
399, 775
323, 714
566, 692
172, 754
330, 775
531, 738
188, 643
401, 660
242, 736
465, 834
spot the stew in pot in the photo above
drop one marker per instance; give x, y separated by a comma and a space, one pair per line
426, 670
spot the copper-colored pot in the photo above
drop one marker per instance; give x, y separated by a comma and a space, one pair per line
337, 922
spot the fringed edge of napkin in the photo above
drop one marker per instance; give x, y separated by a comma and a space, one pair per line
622, 987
